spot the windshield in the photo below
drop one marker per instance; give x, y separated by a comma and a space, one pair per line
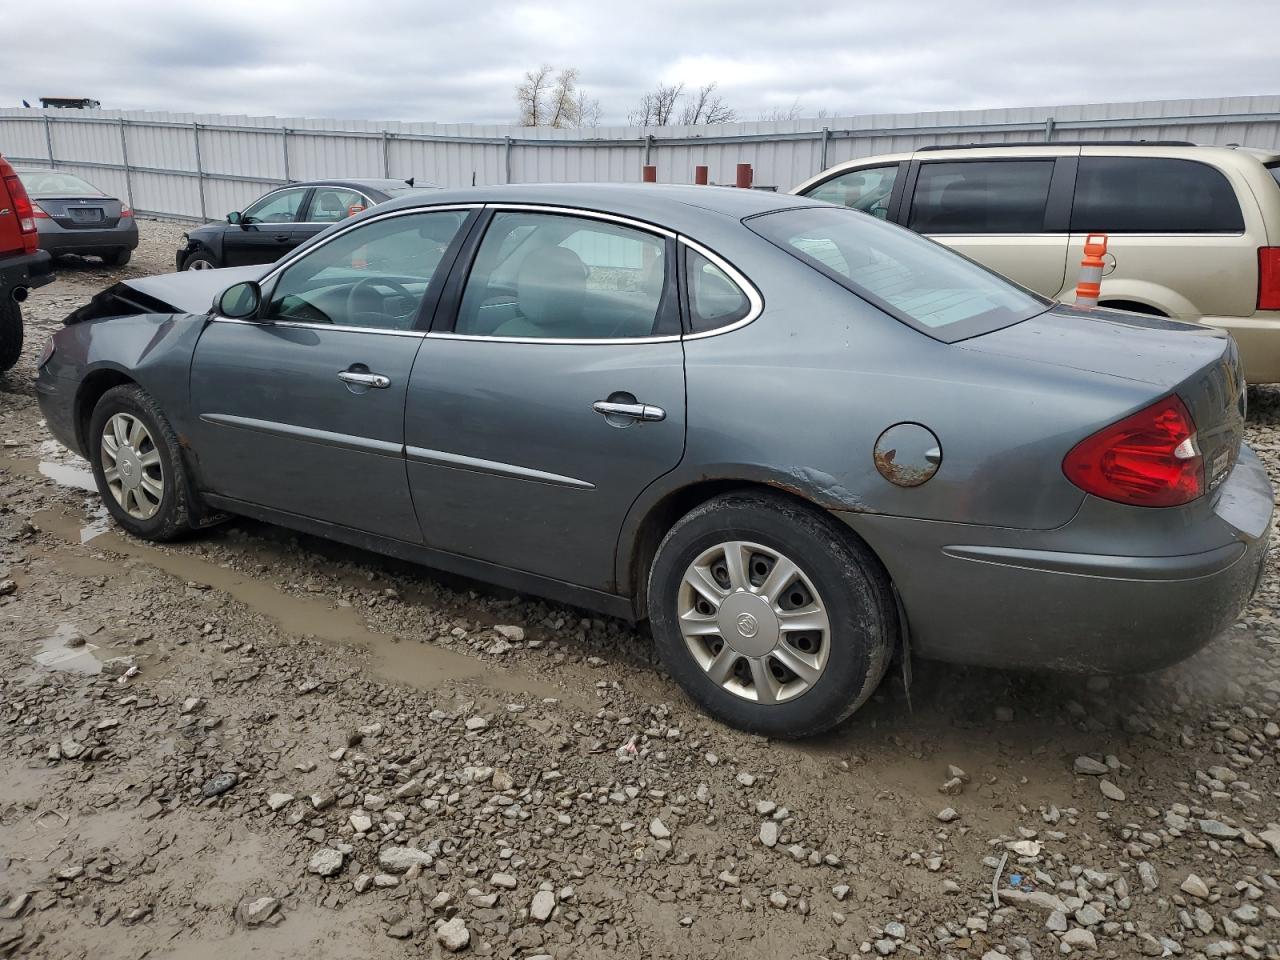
920, 282
49, 183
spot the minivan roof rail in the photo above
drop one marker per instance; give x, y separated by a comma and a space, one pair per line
1061, 143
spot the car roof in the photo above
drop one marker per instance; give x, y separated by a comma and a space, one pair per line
669, 205
371, 183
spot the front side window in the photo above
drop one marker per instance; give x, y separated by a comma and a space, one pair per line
548, 276
714, 299
375, 275
975, 196
920, 282
1153, 195
279, 207
331, 204
867, 190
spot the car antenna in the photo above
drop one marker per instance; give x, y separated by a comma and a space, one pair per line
410, 181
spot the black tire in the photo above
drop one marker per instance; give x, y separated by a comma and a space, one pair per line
202, 256
847, 576
175, 517
10, 332
118, 259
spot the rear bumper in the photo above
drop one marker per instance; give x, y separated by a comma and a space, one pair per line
1000, 598
1258, 337
25, 270
56, 239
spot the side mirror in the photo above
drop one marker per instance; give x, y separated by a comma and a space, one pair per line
239, 301
234, 217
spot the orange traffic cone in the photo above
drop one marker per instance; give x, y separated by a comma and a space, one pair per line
1090, 283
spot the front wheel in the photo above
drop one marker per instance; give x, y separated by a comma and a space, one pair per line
200, 260
138, 466
770, 615
10, 332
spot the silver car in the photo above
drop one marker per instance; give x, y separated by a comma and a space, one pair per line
797, 439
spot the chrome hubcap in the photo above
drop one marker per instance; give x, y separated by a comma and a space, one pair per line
754, 622
131, 466
200, 265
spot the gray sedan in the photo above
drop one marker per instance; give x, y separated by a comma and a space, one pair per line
798, 440
74, 216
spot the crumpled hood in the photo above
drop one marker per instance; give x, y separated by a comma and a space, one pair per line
192, 291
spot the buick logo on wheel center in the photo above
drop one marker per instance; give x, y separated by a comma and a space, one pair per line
747, 625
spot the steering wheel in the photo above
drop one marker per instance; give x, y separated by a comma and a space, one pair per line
354, 309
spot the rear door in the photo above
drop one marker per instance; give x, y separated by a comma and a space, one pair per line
997, 211
268, 229
1178, 239
556, 395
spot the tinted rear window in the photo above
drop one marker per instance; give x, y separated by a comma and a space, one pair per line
41, 183
913, 279
1153, 195
1005, 196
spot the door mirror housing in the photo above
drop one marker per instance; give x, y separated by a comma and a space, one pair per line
239, 301
234, 217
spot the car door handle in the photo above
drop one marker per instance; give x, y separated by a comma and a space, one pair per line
282, 237
636, 411
376, 380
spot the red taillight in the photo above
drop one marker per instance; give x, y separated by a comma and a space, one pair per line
21, 206
38, 212
1269, 278
125, 211
1149, 459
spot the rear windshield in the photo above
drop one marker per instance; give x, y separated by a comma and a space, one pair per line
920, 282
42, 183
1274, 170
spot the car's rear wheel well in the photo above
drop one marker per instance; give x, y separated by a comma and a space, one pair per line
664, 514
1133, 307
91, 390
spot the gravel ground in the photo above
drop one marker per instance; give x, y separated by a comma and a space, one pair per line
260, 743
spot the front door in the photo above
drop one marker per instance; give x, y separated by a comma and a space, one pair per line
993, 211
302, 410
267, 230
553, 401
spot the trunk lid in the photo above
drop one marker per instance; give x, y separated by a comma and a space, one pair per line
81, 213
1200, 364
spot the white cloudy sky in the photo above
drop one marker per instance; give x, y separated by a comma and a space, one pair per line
460, 60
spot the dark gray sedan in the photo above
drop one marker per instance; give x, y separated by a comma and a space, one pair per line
74, 216
797, 439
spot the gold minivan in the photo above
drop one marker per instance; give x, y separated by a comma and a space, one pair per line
1194, 231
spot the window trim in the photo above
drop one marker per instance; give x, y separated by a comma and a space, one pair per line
908, 204
1216, 170
466, 263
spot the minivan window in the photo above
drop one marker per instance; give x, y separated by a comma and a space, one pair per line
868, 189
975, 196
919, 282
1153, 195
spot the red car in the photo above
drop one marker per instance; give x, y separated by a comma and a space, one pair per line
22, 264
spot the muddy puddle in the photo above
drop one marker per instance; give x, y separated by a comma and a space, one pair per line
57, 652
422, 665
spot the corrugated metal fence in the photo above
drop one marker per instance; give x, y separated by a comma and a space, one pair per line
199, 167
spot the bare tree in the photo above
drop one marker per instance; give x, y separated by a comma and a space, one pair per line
792, 112
530, 96
706, 106
563, 108
656, 108
588, 110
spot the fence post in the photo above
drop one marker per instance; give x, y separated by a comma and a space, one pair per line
826, 138
195, 130
386, 154
284, 143
1048, 129
649, 147
48, 139
124, 157
506, 160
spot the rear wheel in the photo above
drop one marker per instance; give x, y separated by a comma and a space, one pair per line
770, 615
119, 257
200, 260
138, 466
10, 332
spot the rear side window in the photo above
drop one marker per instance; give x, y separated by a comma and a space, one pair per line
919, 282
1153, 195
714, 300
868, 190
1006, 196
